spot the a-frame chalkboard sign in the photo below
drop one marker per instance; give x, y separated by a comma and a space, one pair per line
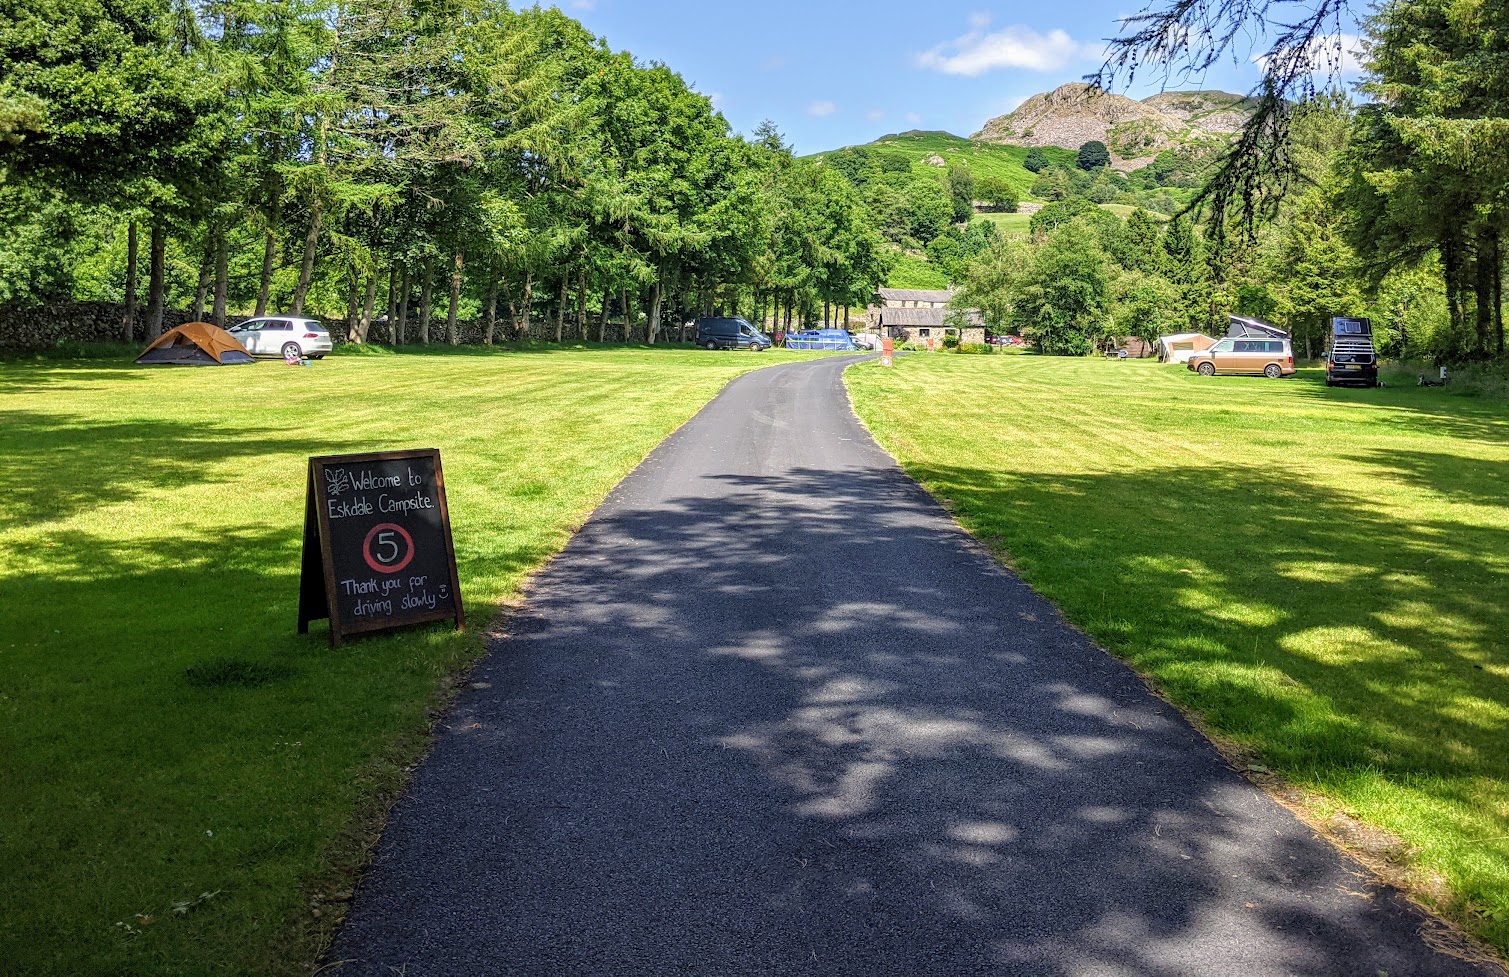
377, 544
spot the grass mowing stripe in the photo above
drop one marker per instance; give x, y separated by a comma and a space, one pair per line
1322, 575
182, 772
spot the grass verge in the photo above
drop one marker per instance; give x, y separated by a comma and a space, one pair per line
189, 785
1322, 576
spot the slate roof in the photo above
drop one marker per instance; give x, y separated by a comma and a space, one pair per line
916, 295
922, 317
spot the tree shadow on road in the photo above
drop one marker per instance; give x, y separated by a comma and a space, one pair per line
878, 763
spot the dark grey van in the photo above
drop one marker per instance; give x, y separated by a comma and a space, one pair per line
727, 332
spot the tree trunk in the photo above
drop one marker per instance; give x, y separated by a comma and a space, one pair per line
451, 335
128, 319
401, 335
1451, 264
265, 287
392, 301
306, 268
1484, 267
206, 269
365, 326
623, 299
656, 296
222, 276
602, 317
1498, 289
513, 309
528, 303
581, 304
492, 308
269, 246
426, 293
157, 286
826, 324
560, 306
353, 297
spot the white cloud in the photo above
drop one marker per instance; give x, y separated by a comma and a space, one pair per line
914, 118
979, 51
772, 64
584, 4
1338, 55
821, 109
875, 115
717, 99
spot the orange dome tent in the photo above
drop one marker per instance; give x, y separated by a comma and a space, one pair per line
195, 344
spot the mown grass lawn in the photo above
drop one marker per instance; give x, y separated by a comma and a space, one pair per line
184, 780
1322, 575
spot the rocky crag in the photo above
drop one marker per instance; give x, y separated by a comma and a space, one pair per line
1134, 131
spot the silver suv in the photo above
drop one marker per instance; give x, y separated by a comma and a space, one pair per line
280, 335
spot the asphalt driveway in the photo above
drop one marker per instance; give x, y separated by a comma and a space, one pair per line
772, 712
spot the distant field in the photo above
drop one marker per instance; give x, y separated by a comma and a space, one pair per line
183, 778
1011, 225
1322, 575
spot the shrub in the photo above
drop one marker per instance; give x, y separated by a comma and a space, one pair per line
976, 348
950, 342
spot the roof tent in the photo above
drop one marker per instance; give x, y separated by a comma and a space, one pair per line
1243, 325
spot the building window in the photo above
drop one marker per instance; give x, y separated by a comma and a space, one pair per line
924, 332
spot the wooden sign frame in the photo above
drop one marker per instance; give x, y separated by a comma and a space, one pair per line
317, 580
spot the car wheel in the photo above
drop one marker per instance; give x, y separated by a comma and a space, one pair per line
709, 345
292, 348
758, 348
1206, 369
1272, 371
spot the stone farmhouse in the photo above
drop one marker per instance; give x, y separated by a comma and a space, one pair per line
916, 315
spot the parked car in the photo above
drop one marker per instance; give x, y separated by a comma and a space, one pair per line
1269, 357
729, 332
279, 335
821, 339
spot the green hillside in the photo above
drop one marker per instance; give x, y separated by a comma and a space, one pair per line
984, 159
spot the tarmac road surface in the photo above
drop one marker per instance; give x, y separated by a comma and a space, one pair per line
772, 712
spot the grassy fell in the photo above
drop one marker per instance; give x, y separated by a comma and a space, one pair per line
1322, 576
186, 780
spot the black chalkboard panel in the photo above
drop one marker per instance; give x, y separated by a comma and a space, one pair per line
377, 544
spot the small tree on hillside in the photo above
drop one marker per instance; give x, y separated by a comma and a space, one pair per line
1036, 160
997, 194
1093, 155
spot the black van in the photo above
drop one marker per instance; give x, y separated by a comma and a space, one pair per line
725, 332
1350, 356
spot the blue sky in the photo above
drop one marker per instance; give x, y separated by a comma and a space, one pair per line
836, 74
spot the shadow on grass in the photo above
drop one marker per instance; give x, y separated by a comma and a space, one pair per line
1412, 408
69, 465
164, 732
845, 742
1346, 644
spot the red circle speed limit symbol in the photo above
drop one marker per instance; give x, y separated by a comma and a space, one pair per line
388, 548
